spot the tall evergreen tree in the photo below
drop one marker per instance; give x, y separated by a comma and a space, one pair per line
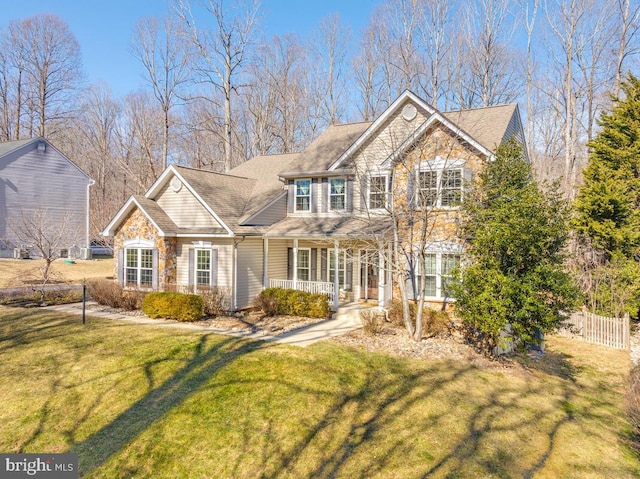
516, 236
608, 203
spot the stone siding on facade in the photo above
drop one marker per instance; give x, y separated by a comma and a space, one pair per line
138, 226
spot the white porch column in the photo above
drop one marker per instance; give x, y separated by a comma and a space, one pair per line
381, 279
336, 284
295, 264
265, 263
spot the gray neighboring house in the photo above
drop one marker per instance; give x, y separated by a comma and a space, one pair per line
36, 179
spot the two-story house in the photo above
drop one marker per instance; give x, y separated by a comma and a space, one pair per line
322, 219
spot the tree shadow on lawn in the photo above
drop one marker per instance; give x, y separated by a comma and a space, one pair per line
337, 441
99, 447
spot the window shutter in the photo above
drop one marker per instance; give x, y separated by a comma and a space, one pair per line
314, 195
349, 271
214, 267
323, 264
364, 193
154, 271
289, 264
192, 268
349, 194
324, 195
468, 177
314, 264
412, 179
291, 200
121, 267
410, 288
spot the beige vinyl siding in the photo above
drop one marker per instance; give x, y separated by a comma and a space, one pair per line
249, 274
391, 135
277, 259
32, 180
272, 214
225, 261
184, 209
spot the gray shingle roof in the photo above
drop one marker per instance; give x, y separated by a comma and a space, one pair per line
9, 146
487, 125
320, 227
157, 214
317, 156
226, 194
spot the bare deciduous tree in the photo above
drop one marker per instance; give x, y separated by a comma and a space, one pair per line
223, 50
46, 233
49, 65
166, 54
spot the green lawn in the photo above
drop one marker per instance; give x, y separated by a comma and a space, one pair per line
144, 401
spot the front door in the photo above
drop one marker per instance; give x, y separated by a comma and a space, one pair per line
369, 275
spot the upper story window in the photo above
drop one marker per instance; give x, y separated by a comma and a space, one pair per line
337, 194
378, 192
303, 195
440, 187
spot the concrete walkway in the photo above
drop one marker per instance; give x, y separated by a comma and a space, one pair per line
346, 319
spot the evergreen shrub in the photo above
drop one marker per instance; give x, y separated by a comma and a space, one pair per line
180, 306
291, 302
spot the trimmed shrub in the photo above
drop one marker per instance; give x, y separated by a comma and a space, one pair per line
109, 293
372, 322
183, 307
291, 302
435, 322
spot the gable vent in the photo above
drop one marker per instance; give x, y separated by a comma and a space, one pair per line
42, 146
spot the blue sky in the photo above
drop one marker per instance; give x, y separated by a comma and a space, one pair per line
103, 29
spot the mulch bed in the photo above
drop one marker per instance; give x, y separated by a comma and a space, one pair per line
395, 341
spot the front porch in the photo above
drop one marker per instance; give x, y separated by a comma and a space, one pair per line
343, 270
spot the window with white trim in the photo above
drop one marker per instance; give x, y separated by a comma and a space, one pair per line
304, 264
203, 267
378, 192
440, 187
437, 273
337, 194
342, 271
138, 271
302, 195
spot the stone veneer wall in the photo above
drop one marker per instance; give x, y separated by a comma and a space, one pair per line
137, 225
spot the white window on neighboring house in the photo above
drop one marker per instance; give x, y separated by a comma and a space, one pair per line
138, 268
203, 267
441, 187
378, 192
437, 272
337, 194
303, 195
304, 264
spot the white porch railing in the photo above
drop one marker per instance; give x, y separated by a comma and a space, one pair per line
308, 286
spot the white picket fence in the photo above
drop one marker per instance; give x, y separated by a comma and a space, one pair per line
611, 332
308, 286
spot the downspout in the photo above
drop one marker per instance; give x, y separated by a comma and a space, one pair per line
235, 272
86, 217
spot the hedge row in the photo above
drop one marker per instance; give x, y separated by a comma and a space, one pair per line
290, 302
180, 306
